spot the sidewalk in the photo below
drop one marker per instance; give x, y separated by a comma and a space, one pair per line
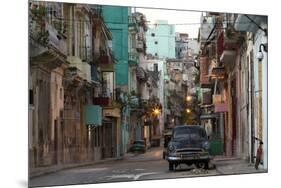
39, 171
233, 166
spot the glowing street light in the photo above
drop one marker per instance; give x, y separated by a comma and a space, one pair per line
156, 111
188, 110
188, 98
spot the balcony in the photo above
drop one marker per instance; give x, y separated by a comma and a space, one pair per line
132, 26
106, 63
228, 57
105, 59
47, 34
221, 107
206, 98
219, 104
141, 74
141, 36
230, 46
220, 43
204, 74
102, 101
140, 46
217, 99
141, 20
47, 45
133, 58
208, 23
83, 68
134, 102
218, 73
177, 66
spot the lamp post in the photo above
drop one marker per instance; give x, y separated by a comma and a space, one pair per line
260, 54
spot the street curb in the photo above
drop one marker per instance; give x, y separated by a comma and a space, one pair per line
129, 158
57, 169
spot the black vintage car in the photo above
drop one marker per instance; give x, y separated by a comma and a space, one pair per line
189, 145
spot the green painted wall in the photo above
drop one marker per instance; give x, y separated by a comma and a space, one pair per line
116, 19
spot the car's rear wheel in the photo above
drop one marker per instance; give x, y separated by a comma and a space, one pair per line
171, 166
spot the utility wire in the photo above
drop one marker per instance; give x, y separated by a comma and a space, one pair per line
147, 22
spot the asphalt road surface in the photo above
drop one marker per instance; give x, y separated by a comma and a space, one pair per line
133, 168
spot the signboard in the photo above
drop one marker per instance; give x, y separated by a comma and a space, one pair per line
217, 99
93, 115
115, 112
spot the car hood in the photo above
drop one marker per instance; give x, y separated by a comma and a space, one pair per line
188, 142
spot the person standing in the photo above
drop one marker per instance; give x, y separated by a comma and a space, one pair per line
259, 155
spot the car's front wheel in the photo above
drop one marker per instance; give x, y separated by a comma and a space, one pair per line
171, 166
204, 165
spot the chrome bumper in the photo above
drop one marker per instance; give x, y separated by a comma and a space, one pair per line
189, 156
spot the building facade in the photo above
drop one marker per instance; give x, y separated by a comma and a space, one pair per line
71, 85
232, 82
116, 19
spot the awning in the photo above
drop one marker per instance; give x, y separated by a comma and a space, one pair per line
248, 22
221, 107
209, 116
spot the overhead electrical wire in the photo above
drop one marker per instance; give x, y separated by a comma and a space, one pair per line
147, 22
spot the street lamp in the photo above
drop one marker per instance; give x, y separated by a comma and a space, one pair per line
156, 111
260, 54
188, 110
188, 98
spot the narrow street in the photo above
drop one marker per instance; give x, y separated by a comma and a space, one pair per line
134, 167
106, 81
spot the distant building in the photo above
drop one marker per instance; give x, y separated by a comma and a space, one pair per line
181, 45
161, 40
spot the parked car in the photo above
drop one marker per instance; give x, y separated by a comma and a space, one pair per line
189, 145
138, 146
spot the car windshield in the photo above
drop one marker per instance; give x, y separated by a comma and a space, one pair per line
190, 131
139, 142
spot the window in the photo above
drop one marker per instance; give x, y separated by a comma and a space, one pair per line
107, 84
155, 67
155, 42
156, 54
153, 34
31, 97
133, 43
60, 93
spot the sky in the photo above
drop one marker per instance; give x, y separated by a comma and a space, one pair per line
185, 21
